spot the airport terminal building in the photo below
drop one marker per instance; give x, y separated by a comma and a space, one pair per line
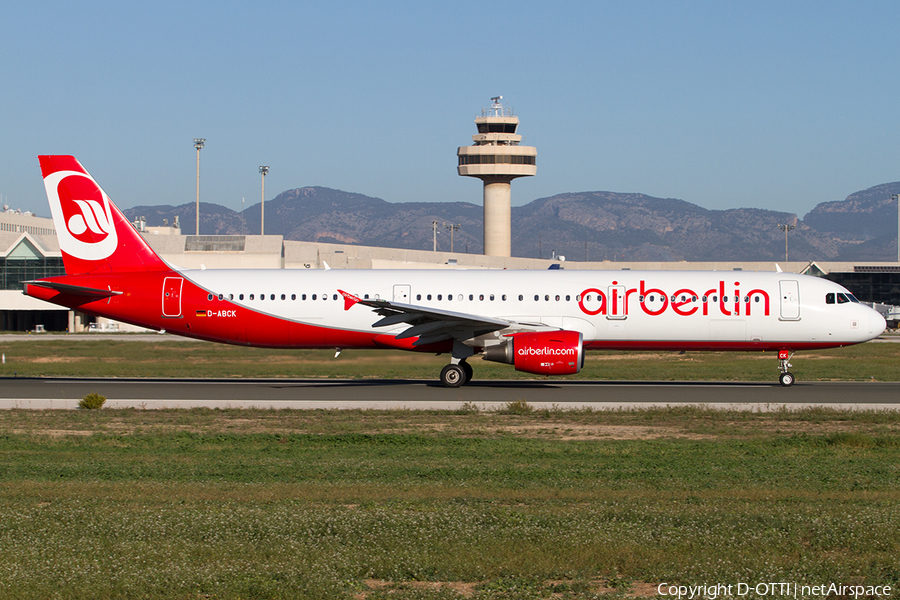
29, 250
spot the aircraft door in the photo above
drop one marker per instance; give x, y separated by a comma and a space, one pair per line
615, 302
790, 300
171, 297
402, 293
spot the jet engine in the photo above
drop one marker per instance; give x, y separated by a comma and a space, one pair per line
541, 352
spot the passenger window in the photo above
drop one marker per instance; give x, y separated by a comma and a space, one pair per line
471, 297
303, 296
492, 297
272, 297
536, 297
449, 297
262, 296
546, 297
241, 297
313, 296
503, 297
283, 297
568, 297
418, 296
521, 297
704, 298
251, 296
293, 296
440, 296
334, 296
460, 297
481, 296
209, 296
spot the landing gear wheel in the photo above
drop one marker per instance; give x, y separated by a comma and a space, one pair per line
453, 376
786, 379
467, 369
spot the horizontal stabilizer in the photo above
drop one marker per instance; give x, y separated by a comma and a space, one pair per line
74, 290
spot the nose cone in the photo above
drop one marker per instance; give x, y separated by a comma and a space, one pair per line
877, 324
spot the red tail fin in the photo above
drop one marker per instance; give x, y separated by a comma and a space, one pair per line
94, 236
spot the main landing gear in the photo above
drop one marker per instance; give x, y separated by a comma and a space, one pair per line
786, 378
455, 375
458, 372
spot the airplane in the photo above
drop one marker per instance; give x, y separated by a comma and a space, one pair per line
539, 321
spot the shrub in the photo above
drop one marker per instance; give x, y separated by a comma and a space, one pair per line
517, 407
92, 401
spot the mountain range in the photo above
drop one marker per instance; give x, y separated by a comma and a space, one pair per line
581, 226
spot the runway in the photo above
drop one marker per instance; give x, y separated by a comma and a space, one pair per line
59, 393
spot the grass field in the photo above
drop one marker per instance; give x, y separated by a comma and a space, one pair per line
426, 504
88, 357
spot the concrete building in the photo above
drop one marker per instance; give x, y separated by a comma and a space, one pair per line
497, 158
28, 250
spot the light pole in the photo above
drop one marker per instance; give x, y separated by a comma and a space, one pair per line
785, 229
897, 198
452, 227
263, 171
198, 144
434, 234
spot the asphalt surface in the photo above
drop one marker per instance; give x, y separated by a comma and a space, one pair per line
42, 393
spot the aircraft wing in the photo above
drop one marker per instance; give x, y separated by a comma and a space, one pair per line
428, 324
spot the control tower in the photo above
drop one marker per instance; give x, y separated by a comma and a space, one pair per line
496, 158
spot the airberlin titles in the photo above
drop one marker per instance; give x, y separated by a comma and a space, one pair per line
684, 302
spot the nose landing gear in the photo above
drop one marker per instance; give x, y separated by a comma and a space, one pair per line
786, 378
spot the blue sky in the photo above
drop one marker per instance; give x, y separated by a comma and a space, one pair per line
778, 105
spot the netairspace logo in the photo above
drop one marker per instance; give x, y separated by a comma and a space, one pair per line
771, 589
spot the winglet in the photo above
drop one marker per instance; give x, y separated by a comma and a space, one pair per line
349, 299
778, 268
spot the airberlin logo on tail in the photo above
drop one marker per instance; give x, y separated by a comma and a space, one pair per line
82, 214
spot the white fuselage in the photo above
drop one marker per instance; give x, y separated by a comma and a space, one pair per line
727, 309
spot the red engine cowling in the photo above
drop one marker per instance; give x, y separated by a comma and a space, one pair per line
541, 352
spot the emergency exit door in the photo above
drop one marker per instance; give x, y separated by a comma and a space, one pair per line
790, 300
171, 297
401, 293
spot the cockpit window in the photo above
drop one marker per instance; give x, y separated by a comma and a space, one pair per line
840, 298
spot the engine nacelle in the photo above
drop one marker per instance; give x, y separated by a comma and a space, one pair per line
541, 352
